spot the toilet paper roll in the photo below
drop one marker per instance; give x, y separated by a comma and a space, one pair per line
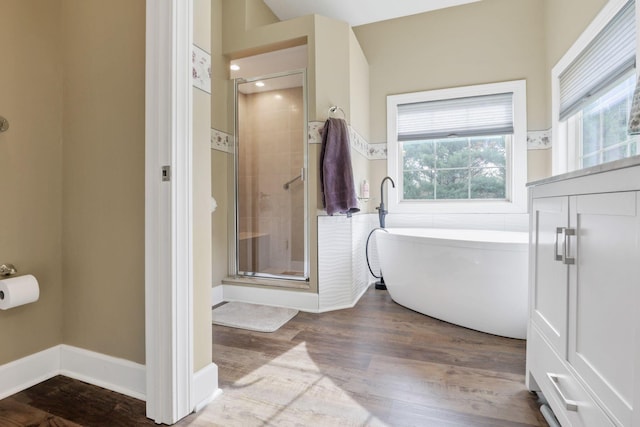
18, 291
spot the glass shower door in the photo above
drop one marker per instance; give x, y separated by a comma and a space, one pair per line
271, 157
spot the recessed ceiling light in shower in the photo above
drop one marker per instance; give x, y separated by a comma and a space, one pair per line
234, 67
260, 84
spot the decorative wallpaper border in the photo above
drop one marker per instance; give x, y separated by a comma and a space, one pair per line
201, 66
221, 141
370, 151
314, 132
536, 140
378, 151
539, 140
358, 143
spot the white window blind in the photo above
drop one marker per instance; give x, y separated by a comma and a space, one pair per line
470, 116
608, 57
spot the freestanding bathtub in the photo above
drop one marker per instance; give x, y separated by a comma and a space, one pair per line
472, 278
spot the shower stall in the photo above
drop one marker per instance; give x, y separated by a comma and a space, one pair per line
271, 238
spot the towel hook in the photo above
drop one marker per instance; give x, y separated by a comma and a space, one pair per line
334, 108
4, 124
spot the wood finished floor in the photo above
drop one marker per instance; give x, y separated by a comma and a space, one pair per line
378, 364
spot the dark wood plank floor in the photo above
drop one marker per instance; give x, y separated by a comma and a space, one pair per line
378, 364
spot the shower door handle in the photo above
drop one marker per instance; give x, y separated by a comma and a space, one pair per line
300, 177
303, 174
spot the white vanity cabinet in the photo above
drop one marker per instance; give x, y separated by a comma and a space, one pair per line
583, 349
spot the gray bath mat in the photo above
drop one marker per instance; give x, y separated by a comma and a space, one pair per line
253, 317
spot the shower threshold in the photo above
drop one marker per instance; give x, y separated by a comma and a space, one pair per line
269, 282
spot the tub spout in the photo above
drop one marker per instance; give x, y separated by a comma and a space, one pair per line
382, 212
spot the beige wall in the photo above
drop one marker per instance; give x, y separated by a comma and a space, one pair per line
202, 268
331, 54
82, 218
258, 14
74, 92
359, 114
565, 20
359, 87
221, 86
243, 38
103, 176
31, 170
484, 42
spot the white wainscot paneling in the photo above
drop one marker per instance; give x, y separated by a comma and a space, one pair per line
361, 277
334, 262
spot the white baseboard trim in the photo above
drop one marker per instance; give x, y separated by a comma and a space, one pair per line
30, 370
109, 372
112, 373
216, 295
205, 386
303, 301
347, 306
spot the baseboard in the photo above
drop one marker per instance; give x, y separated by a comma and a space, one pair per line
216, 295
115, 374
30, 370
347, 306
304, 301
112, 373
205, 386
119, 375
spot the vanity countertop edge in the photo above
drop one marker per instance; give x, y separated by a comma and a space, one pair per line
593, 170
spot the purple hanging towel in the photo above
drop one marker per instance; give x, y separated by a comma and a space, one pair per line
336, 174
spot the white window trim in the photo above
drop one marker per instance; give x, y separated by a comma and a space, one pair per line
518, 161
564, 155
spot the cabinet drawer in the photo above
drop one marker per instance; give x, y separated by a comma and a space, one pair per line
570, 402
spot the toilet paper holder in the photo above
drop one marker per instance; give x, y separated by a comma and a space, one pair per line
4, 124
7, 270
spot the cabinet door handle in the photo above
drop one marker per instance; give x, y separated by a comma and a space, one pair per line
556, 255
566, 259
570, 405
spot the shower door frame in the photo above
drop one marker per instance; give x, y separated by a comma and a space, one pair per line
278, 279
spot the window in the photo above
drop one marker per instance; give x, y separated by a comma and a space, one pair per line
593, 87
458, 150
473, 168
602, 127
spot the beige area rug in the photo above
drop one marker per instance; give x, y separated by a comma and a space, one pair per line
253, 317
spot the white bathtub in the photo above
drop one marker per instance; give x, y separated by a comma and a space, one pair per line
472, 278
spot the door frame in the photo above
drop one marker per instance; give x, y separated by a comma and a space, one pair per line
234, 246
168, 211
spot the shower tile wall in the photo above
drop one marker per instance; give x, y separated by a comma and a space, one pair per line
271, 151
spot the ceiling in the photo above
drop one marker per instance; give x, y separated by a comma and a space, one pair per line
358, 12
